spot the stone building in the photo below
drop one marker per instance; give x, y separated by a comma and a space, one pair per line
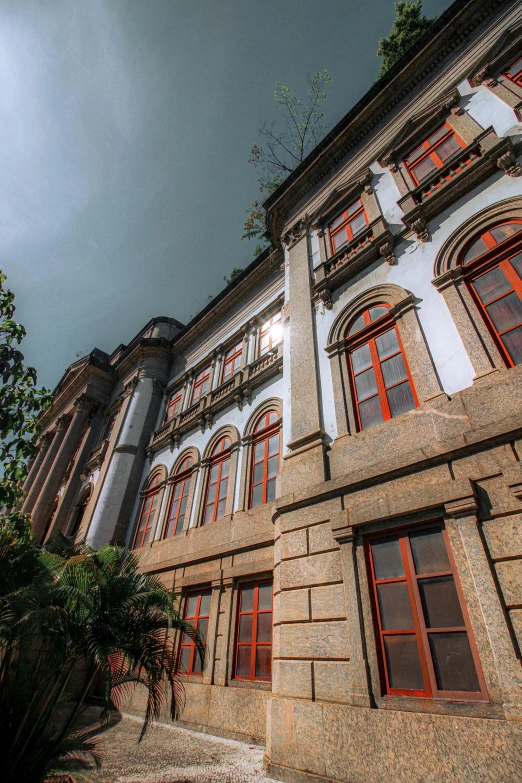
325, 464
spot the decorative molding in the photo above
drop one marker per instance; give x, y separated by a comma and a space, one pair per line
386, 251
420, 229
462, 507
325, 295
297, 231
508, 163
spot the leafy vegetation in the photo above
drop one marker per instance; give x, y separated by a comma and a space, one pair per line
233, 275
410, 23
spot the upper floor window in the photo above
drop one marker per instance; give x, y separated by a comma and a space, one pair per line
381, 381
149, 506
201, 384
80, 512
424, 636
232, 361
347, 225
107, 432
265, 460
174, 404
254, 632
197, 612
433, 153
178, 503
271, 333
514, 72
492, 266
217, 482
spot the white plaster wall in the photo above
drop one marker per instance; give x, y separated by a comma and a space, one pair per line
488, 109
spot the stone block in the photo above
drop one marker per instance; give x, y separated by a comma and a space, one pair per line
294, 544
292, 678
238, 710
331, 680
294, 605
328, 602
504, 536
320, 538
510, 578
297, 738
252, 556
314, 640
197, 700
314, 570
515, 615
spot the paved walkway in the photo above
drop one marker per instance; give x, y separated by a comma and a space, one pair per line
169, 754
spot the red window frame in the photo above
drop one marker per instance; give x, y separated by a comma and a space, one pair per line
200, 622
201, 384
421, 629
218, 477
497, 255
232, 361
342, 224
368, 333
247, 632
174, 404
266, 429
178, 499
429, 150
149, 506
515, 77
266, 339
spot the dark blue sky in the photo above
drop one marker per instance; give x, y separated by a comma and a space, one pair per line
125, 131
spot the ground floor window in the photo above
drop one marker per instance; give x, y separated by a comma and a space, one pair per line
253, 659
197, 612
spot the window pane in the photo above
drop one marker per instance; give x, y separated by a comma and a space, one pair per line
377, 312
259, 451
263, 662
393, 370
516, 261
196, 662
400, 399
357, 325
440, 602
394, 603
225, 468
273, 466
370, 412
365, 384
179, 525
513, 342
214, 473
264, 627
387, 558
147, 536
429, 551
415, 154
448, 148
265, 597
506, 313
243, 661
247, 599
273, 445
203, 628
515, 68
183, 504
424, 169
204, 607
404, 669
221, 509
270, 490
340, 239
477, 249
491, 285
257, 495
191, 606
338, 221
453, 662
354, 207
439, 134
245, 628
185, 658
358, 224
211, 493
259, 470
361, 358
208, 514
501, 233
387, 344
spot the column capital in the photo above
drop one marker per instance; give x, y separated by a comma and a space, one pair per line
62, 422
86, 403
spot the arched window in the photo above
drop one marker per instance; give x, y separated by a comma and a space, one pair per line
217, 481
382, 386
265, 459
80, 512
492, 267
178, 503
148, 511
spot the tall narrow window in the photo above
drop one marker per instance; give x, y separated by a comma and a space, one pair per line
174, 404
514, 72
197, 612
217, 482
265, 460
382, 386
423, 630
232, 361
347, 225
271, 333
149, 507
433, 153
254, 633
492, 267
178, 504
201, 384
111, 421
80, 513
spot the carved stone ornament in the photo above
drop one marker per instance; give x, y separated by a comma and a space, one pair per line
386, 251
484, 77
295, 233
508, 163
326, 298
420, 229
247, 394
365, 182
176, 440
238, 399
457, 111
86, 403
202, 422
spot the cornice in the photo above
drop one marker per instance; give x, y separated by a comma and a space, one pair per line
80, 385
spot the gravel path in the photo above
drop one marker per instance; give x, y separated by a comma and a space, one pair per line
169, 754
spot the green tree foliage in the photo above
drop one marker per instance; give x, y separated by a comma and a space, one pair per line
284, 143
409, 24
232, 276
69, 619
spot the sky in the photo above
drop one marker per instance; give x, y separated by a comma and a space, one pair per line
125, 132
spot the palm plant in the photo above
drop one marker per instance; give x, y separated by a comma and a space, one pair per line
78, 618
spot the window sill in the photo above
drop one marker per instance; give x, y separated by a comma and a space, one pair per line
260, 685
449, 707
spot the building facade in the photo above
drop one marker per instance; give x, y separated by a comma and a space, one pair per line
325, 464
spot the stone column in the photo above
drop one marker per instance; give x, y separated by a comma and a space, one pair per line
44, 504
208, 673
222, 667
37, 463
215, 369
244, 349
32, 497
